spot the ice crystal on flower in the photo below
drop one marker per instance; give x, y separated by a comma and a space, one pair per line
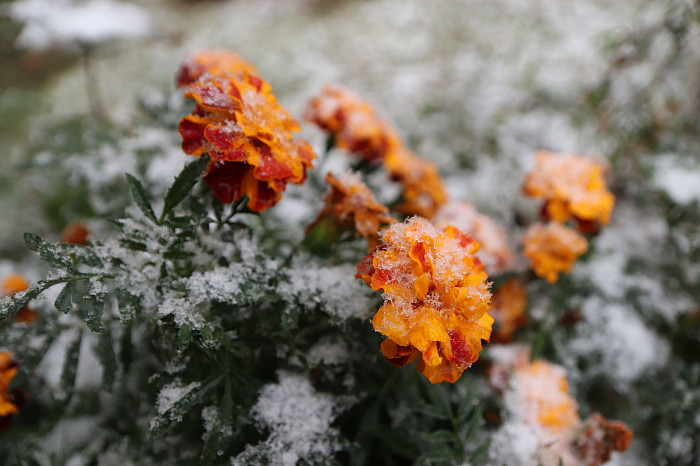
351, 205
494, 251
435, 297
356, 127
573, 187
248, 137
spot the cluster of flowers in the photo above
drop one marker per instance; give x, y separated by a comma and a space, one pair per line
356, 127
573, 188
432, 268
540, 392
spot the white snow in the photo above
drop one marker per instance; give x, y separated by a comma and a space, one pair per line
299, 419
679, 180
56, 23
618, 337
172, 393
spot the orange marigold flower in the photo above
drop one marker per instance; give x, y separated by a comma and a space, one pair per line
8, 370
75, 233
12, 284
353, 122
357, 128
216, 62
599, 437
351, 205
544, 392
423, 189
494, 250
435, 297
248, 136
538, 398
553, 248
572, 186
508, 310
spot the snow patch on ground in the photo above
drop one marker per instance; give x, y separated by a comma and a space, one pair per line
56, 23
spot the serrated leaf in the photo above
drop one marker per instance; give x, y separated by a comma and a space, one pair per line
118, 224
290, 318
478, 455
476, 421
85, 255
133, 245
183, 184
437, 457
181, 407
207, 335
212, 445
182, 222
93, 307
174, 255
140, 196
439, 398
430, 411
184, 336
128, 305
105, 352
466, 405
70, 368
11, 305
395, 441
64, 300
49, 252
440, 436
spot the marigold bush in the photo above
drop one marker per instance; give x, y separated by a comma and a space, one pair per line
201, 320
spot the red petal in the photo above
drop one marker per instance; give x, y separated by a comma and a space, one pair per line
226, 180
192, 134
461, 355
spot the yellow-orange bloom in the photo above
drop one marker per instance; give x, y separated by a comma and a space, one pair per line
353, 122
544, 393
248, 137
423, 189
553, 248
573, 187
508, 309
215, 62
351, 205
12, 284
435, 297
494, 250
8, 370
